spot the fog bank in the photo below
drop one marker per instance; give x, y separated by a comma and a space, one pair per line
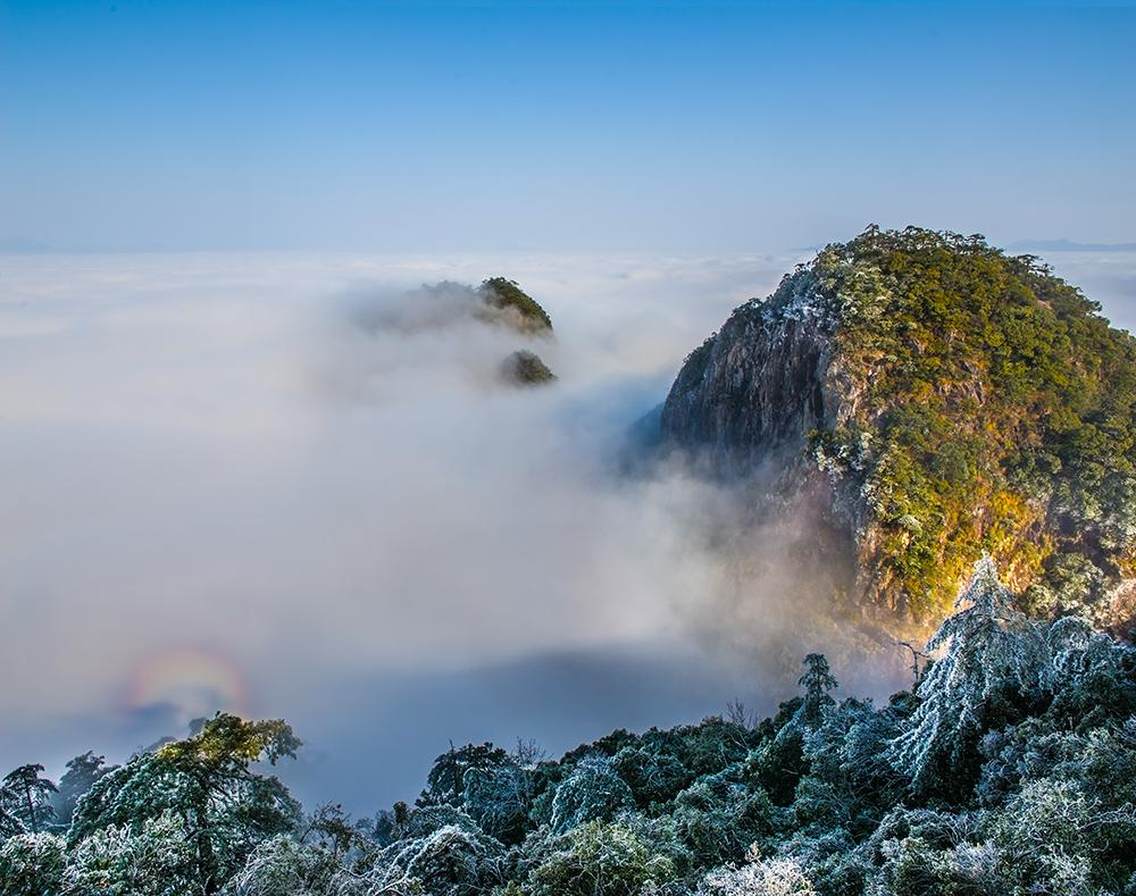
292, 485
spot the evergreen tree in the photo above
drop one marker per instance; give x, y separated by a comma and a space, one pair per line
27, 796
817, 681
206, 783
991, 665
82, 772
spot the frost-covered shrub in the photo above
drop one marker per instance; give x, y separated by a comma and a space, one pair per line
425, 820
450, 861
283, 867
720, 819
593, 791
1052, 830
598, 859
31, 865
498, 799
758, 877
654, 777
914, 866
153, 859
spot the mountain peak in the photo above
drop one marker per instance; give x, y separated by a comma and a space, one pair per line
950, 400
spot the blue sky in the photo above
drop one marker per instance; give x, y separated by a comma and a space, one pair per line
587, 126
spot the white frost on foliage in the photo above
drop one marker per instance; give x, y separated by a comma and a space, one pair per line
593, 791
989, 651
759, 877
31, 863
153, 859
282, 865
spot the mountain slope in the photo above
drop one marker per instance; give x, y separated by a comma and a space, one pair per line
952, 400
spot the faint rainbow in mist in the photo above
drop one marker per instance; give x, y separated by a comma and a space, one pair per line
194, 680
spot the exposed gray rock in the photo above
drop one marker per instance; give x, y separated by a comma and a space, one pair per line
760, 385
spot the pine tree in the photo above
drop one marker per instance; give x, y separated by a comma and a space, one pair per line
27, 796
82, 772
991, 662
817, 681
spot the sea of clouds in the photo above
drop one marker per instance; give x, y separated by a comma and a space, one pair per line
301, 472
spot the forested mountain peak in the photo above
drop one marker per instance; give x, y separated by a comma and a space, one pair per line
519, 308
950, 400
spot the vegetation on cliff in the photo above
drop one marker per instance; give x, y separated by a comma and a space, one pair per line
524, 312
524, 368
1009, 768
968, 401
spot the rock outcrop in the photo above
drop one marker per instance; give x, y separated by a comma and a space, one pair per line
757, 389
524, 368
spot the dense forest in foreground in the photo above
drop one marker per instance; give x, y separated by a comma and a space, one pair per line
1009, 768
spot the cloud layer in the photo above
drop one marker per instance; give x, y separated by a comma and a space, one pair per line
290, 465
292, 485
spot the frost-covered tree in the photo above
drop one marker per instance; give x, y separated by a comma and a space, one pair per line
498, 798
599, 859
654, 775
593, 791
206, 782
32, 865
152, 858
330, 827
1090, 674
914, 865
817, 681
10, 825
424, 820
848, 750
780, 761
450, 861
281, 866
26, 795
991, 664
719, 818
446, 780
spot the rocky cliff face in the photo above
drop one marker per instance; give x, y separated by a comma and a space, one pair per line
937, 400
745, 406
760, 386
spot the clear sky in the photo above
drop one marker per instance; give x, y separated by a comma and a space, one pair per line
555, 126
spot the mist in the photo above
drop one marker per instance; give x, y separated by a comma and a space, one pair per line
294, 486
